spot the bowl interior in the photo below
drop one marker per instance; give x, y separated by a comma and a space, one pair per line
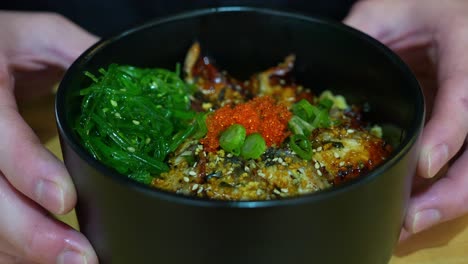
243, 41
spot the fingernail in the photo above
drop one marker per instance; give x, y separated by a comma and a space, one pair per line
50, 195
436, 158
71, 257
425, 219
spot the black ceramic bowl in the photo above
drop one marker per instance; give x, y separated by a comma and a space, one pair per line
357, 223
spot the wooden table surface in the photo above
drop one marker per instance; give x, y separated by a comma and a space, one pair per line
443, 244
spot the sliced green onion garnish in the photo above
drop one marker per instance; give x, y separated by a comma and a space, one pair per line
253, 147
301, 146
232, 139
305, 110
300, 127
325, 104
308, 117
322, 119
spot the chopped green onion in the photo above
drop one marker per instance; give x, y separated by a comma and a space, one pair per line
301, 146
253, 147
322, 119
232, 138
308, 117
300, 127
305, 110
326, 104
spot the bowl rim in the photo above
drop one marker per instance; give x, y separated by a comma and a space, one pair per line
66, 133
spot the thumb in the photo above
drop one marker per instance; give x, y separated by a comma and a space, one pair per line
395, 23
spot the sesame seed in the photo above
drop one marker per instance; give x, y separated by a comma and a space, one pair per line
247, 169
186, 153
284, 190
186, 179
113, 103
136, 122
319, 172
336, 155
192, 173
276, 191
317, 165
200, 189
194, 187
342, 163
131, 149
207, 106
350, 131
206, 91
319, 148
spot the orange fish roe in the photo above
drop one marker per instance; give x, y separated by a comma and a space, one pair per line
261, 114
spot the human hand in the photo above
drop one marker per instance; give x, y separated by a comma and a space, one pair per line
432, 37
35, 49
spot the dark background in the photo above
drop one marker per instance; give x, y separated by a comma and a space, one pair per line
107, 17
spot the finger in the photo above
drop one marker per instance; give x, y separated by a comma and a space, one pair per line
34, 236
447, 128
395, 23
404, 235
6, 258
443, 201
65, 49
26, 164
57, 40
9, 259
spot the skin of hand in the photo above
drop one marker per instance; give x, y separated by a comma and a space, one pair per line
431, 36
35, 49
